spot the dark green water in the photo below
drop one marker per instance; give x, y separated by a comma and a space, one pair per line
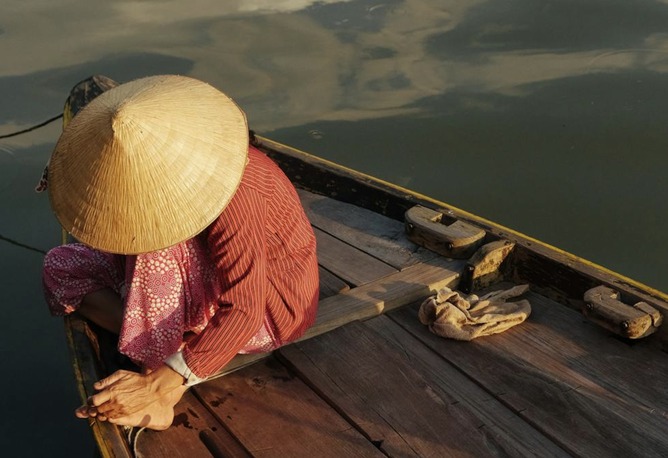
547, 117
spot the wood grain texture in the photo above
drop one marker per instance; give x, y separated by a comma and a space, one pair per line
274, 414
330, 284
404, 287
378, 235
634, 371
405, 398
561, 374
347, 262
196, 432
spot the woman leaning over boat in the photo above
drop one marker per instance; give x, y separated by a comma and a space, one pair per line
194, 246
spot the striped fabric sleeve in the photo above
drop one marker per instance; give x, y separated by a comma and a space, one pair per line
237, 243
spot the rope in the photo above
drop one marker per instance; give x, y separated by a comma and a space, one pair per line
22, 245
37, 126
14, 134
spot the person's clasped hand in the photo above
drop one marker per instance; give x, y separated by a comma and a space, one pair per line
124, 393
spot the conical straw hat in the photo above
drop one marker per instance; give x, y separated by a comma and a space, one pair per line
148, 164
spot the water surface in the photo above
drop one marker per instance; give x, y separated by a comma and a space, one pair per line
546, 117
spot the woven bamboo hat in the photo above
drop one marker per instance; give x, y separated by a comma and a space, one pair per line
148, 164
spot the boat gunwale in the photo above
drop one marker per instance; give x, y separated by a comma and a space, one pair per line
110, 441
630, 288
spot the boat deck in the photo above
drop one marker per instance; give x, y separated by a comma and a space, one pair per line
378, 383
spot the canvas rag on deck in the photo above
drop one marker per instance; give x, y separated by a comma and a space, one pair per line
448, 314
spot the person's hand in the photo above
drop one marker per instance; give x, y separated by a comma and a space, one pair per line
124, 393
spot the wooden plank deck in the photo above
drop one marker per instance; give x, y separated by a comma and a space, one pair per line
197, 432
406, 400
375, 234
385, 386
262, 402
347, 262
592, 394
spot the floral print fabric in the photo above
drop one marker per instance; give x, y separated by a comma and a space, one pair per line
167, 294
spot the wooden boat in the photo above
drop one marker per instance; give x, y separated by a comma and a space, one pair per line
585, 375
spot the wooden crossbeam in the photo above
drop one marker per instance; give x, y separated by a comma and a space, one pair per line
372, 299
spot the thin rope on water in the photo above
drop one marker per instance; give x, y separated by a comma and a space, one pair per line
22, 245
30, 129
14, 134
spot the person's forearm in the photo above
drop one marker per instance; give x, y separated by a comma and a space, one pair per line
104, 308
222, 338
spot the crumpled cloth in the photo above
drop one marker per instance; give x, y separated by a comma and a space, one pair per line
450, 315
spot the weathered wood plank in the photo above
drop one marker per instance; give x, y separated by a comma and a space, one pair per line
272, 413
330, 284
512, 431
408, 400
378, 235
635, 371
348, 263
194, 433
392, 291
543, 371
372, 299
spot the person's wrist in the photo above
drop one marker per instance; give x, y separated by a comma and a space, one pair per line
165, 379
177, 362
